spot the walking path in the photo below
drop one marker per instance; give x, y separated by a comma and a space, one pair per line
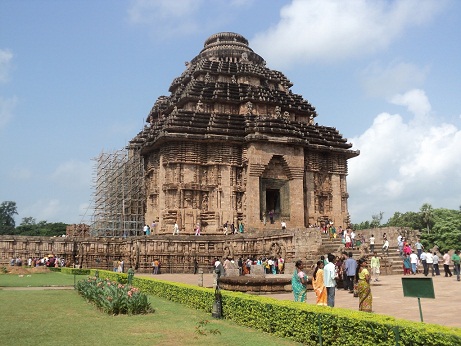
388, 298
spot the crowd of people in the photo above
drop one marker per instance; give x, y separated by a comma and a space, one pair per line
355, 276
270, 265
328, 273
32, 262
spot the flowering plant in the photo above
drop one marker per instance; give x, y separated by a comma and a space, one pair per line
114, 298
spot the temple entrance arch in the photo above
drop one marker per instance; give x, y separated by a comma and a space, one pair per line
275, 189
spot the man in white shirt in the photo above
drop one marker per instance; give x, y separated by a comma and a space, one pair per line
414, 262
329, 275
429, 263
372, 244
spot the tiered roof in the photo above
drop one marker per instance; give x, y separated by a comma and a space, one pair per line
227, 93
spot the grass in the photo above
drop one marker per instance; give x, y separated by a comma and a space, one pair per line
57, 317
38, 280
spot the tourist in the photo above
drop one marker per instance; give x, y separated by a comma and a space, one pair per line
240, 265
435, 258
456, 262
175, 229
407, 249
280, 263
351, 268
227, 265
153, 227
414, 262
353, 239
197, 229
318, 284
271, 216
419, 248
400, 246
156, 265
241, 227
348, 239
363, 287
299, 282
225, 228
386, 247
446, 264
115, 265
329, 279
375, 267
372, 243
406, 265
423, 258
284, 225
429, 263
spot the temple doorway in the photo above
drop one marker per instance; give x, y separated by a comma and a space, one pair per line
273, 201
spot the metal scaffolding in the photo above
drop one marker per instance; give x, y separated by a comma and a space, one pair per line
119, 194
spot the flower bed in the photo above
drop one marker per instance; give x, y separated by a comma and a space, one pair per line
114, 298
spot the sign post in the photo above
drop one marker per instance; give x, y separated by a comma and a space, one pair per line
419, 288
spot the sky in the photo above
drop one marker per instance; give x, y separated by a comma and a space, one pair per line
78, 78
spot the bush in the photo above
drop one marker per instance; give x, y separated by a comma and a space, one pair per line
114, 298
304, 323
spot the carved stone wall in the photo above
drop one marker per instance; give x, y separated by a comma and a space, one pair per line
175, 253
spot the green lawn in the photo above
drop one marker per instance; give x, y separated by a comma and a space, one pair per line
62, 317
38, 280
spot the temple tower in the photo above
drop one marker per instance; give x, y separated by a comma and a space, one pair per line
233, 143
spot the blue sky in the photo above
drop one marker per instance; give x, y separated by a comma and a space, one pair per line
79, 77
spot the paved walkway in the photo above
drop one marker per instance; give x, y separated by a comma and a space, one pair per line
388, 298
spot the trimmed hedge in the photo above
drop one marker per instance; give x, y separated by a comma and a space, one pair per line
304, 323
76, 271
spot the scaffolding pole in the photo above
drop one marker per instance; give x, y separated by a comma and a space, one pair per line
118, 194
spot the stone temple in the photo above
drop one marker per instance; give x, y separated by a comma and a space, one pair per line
232, 143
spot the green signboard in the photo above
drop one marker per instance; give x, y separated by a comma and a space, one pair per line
418, 287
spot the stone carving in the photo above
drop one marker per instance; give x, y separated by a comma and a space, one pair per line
278, 112
199, 107
249, 107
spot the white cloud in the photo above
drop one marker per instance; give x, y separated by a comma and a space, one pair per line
332, 30
398, 76
73, 173
5, 64
166, 17
7, 106
403, 164
416, 102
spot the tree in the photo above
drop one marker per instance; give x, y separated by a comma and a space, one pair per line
426, 215
376, 219
7, 211
27, 221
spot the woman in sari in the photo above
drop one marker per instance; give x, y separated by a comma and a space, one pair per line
318, 284
299, 282
363, 286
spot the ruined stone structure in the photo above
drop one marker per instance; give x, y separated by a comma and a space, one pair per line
232, 143
175, 253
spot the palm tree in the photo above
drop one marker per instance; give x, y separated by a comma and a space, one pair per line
426, 214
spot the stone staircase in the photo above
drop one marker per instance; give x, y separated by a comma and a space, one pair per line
391, 262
